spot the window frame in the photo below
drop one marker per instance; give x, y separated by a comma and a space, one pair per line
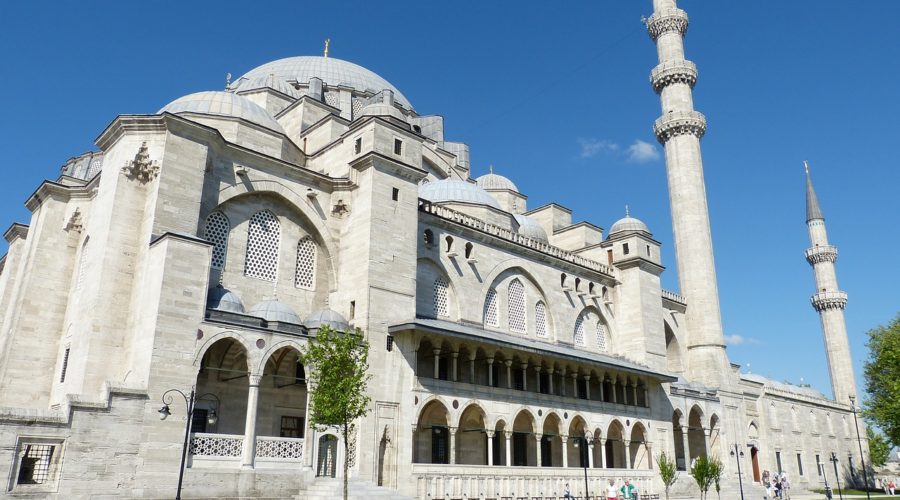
51, 484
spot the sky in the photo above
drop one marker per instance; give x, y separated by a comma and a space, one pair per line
554, 95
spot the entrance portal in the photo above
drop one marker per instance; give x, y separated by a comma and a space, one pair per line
754, 457
326, 465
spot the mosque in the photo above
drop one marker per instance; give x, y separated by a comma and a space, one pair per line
512, 349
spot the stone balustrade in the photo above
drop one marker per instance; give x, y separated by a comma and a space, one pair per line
677, 123
224, 450
674, 297
669, 72
821, 253
829, 300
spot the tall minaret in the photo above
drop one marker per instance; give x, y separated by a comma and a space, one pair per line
829, 300
679, 130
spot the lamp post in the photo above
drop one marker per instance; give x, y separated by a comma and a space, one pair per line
584, 462
824, 474
189, 401
738, 454
862, 457
837, 477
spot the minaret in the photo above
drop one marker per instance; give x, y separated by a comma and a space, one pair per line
679, 130
829, 300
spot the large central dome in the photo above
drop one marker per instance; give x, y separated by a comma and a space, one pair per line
332, 72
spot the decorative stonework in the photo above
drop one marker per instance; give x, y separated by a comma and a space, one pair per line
821, 253
671, 72
665, 21
76, 222
829, 300
679, 123
142, 167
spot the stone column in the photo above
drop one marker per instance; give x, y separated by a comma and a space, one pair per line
490, 363
602, 389
574, 385
602, 453
627, 445
707, 433
646, 398
490, 447
634, 391
452, 445
562, 382
455, 366
537, 369
508, 435
612, 387
589, 444
649, 449
415, 366
472, 368
508, 364
565, 451
687, 449
248, 454
537, 445
550, 380
415, 434
587, 387
524, 367
437, 363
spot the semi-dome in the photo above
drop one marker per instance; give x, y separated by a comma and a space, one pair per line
628, 223
531, 228
269, 81
327, 317
332, 72
223, 299
494, 181
273, 310
223, 104
456, 190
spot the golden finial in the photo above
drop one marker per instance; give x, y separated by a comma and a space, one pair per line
327, 43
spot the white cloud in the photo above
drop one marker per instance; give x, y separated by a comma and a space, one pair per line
642, 152
739, 340
592, 147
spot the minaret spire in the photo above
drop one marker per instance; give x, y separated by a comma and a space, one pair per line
679, 130
829, 301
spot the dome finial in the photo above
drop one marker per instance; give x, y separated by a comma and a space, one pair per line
227, 80
491, 168
327, 43
627, 214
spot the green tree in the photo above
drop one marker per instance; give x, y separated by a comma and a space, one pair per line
337, 381
717, 469
879, 447
704, 471
882, 373
668, 471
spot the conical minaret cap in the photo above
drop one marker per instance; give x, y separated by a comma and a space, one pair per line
813, 211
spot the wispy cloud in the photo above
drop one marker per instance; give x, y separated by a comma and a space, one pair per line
591, 147
642, 152
739, 340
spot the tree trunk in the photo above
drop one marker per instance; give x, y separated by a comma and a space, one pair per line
346, 459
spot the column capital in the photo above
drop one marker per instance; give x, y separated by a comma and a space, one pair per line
436, 351
523, 365
666, 21
454, 354
490, 434
508, 434
452, 430
508, 362
550, 371
537, 368
254, 379
490, 360
587, 377
538, 436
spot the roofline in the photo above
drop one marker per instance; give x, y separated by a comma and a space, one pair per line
548, 205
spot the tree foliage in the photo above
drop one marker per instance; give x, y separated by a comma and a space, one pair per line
668, 471
879, 447
706, 472
337, 383
882, 373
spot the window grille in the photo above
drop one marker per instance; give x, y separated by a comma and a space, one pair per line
491, 318
579, 330
216, 232
306, 264
441, 299
332, 99
540, 320
602, 344
357, 107
517, 306
34, 467
263, 240
95, 166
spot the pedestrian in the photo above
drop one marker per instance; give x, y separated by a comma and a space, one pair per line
770, 488
892, 484
567, 493
785, 486
778, 491
611, 492
882, 483
629, 491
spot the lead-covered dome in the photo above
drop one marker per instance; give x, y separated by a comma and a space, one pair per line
456, 190
494, 181
223, 299
219, 103
269, 81
628, 223
531, 228
332, 71
273, 310
327, 317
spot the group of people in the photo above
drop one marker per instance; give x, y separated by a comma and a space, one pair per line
777, 485
889, 485
627, 491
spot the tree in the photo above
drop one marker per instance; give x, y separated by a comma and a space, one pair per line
879, 448
668, 471
705, 471
882, 373
338, 380
717, 469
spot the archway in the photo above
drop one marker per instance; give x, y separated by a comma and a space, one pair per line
754, 458
281, 410
696, 434
222, 387
598, 450
577, 452
500, 444
523, 443
471, 437
326, 462
673, 351
432, 444
551, 442
637, 448
615, 446
678, 431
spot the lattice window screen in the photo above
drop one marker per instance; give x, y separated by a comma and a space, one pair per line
579, 330
263, 240
306, 264
602, 344
517, 306
540, 319
491, 318
96, 165
357, 107
216, 232
332, 99
441, 299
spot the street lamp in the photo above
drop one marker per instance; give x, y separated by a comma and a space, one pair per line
189, 401
824, 475
862, 457
738, 454
837, 477
584, 460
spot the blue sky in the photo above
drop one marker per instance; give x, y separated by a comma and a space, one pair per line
555, 96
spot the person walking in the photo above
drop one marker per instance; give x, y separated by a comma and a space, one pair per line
611, 492
629, 491
891, 486
567, 493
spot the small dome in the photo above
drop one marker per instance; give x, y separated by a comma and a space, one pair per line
494, 181
628, 223
531, 228
455, 190
223, 104
223, 299
273, 310
382, 109
327, 317
269, 81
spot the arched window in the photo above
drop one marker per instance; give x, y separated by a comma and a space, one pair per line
491, 318
449, 240
470, 251
540, 319
82, 265
516, 306
306, 264
216, 232
602, 337
441, 299
794, 417
263, 241
773, 416
579, 330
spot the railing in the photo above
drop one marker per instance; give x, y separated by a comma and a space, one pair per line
282, 449
513, 236
821, 253
216, 445
674, 297
224, 450
441, 481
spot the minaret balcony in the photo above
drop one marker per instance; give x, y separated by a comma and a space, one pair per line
829, 300
821, 253
665, 21
670, 72
677, 123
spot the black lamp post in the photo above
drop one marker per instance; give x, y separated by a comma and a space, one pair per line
824, 474
738, 454
584, 462
837, 477
862, 457
189, 401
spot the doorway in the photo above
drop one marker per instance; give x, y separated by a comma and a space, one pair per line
754, 457
326, 465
